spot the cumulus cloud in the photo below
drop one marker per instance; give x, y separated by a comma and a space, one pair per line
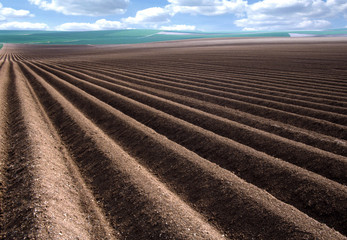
208, 7
308, 8
23, 26
150, 15
83, 7
314, 24
261, 15
338, 5
11, 13
282, 24
155, 16
8, 21
179, 28
101, 24
267, 14
289, 15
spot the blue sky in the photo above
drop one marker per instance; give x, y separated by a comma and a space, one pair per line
200, 15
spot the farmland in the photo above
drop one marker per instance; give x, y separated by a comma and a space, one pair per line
133, 36
242, 138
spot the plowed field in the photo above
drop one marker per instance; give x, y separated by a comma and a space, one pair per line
198, 139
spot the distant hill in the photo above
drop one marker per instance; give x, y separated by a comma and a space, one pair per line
132, 36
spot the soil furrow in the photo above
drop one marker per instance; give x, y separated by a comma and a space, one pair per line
291, 151
246, 90
4, 109
237, 88
68, 91
135, 201
260, 78
324, 142
77, 190
274, 75
173, 66
305, 122
231, 81
271, 104
197, 139
220, 92
38, 179
240, 80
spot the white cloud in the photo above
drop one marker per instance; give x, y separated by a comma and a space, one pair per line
23, 26
155, 16
8, 16
208, 7
152, 15
338, 6
11, 13
314, 24
104, 24
101, 24
179, 28
83, 7
299, 8
286, 15
281, 24
262, 15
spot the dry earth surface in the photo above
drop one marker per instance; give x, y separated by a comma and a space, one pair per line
198, 139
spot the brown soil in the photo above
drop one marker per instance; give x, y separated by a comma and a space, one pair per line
197, 139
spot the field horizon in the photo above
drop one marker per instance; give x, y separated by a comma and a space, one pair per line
133, 36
